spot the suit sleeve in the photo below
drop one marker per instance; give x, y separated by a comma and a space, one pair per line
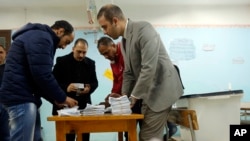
148, 46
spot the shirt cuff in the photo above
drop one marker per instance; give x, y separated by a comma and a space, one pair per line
134, 97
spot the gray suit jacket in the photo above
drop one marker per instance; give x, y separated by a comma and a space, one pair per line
149, 73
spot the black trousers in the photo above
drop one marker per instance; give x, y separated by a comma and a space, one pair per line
71, 137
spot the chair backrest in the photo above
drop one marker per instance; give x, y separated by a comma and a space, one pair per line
186, 118
245, 113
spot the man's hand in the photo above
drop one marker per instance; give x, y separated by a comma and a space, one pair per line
70, 102
132, 101
115, 95
86, 89
71, 88
110, 95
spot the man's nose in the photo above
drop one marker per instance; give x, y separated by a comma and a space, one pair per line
106, 57
105, 32
81, 54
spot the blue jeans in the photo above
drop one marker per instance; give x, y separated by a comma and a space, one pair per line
24, 121
4, 124
171, 129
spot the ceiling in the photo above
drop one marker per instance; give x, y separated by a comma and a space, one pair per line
70, 3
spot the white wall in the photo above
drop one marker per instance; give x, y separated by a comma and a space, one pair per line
12, 18
16, 17
185, 15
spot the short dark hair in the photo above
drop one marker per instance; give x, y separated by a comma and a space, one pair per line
81, 40
106, 41
65, 25
109, 11
2, 46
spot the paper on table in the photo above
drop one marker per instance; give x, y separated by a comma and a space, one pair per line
69, 111
93, 110
120, 105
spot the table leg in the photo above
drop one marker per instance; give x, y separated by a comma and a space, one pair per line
132, 134
60, 132
79, 136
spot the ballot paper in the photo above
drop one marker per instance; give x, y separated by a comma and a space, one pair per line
69, 111
120, 105
93, 110
89, 110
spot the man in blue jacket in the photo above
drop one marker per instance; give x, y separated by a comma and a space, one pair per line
28, 76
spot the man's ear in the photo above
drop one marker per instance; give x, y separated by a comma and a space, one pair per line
115, 20
113, 45
60, 32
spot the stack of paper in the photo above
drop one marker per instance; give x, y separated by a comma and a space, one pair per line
120, 105
69, 111
93, 110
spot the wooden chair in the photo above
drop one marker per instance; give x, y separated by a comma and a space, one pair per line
186, 118
245, 113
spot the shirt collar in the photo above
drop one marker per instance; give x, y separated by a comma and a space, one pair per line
118, 53
125, 30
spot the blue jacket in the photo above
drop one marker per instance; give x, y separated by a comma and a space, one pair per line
28, 68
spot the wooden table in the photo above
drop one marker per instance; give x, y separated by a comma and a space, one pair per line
96, 123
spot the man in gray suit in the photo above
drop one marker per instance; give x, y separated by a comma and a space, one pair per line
149, 74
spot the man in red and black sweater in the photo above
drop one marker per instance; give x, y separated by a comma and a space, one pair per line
112, 52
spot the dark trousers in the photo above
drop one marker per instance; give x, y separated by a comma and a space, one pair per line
71, 137
171, 130
4, 124
137, 110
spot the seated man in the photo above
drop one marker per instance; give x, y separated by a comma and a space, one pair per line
172, 129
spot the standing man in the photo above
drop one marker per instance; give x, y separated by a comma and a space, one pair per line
2, 61
72, 68
112, 52
28, 76
149, 73
4, 118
